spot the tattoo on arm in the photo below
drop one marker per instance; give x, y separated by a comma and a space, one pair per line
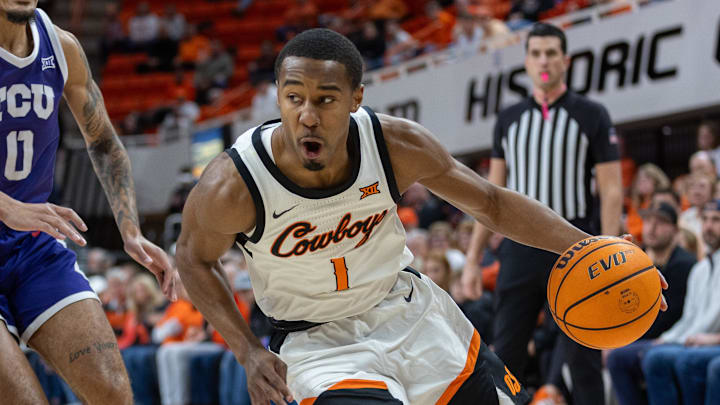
107, 153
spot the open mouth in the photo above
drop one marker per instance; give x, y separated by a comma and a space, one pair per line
311, 148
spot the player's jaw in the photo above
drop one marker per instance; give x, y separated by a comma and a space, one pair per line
18, 11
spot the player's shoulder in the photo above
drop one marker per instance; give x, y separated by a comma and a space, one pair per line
402, 133
68, 40
221, 200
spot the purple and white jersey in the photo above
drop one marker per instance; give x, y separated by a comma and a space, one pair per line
30, 91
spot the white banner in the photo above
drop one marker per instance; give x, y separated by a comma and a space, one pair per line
658, 59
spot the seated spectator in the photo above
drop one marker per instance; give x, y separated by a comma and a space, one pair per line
409, 218
675, 263
687, 240
190, 48
463, 234
98, 261
649, 178
701, 162
700, 192
708, 140
113, 37
114, 299
379, 10
419, 244
438, 33
245, 299
146, 305
161, 54
386, 9
143, 27
441, 238
468, 35
180, 119
180, 332
265, 104
213, 71
371, 45
299, 17
525, 12
183, 86
666, 195
263, 68
668, 366
400, 46
437, 268
173, 22
495, 32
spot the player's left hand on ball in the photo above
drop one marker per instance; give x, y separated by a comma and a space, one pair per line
154, 259
663, 282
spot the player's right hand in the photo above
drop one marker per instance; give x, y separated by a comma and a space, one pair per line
471, 281
266, 376
58, 222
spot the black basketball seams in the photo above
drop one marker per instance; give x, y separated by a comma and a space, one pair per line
587, 297
578, 260
657, 299
572, 335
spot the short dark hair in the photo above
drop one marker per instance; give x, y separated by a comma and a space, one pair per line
547, 30
670, 192
324, 44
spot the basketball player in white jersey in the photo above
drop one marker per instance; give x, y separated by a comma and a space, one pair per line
312, 200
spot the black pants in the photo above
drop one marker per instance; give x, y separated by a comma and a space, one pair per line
520, 296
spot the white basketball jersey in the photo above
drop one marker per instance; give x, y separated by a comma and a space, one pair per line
320, 255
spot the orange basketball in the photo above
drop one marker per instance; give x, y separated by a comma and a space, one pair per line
604, 292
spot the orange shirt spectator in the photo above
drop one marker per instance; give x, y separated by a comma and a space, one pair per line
439, 32
244, 311
191, 47
180, 317
387, 10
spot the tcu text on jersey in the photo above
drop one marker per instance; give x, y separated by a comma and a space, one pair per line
18, 99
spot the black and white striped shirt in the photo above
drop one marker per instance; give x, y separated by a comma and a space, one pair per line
551, 159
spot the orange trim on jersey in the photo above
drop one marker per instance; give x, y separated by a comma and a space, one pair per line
465, 373
355, 384
349, 385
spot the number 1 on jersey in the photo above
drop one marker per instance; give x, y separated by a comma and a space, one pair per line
341, 273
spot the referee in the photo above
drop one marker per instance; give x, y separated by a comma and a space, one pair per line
546, 147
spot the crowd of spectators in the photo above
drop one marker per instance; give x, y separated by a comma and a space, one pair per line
386, 32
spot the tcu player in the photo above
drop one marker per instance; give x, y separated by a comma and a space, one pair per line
44, 300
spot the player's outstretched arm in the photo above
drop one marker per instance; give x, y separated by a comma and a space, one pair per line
110, 161
217, 209
418, 157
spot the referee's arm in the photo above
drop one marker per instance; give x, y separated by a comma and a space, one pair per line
610, 190
608, 176
471, 280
